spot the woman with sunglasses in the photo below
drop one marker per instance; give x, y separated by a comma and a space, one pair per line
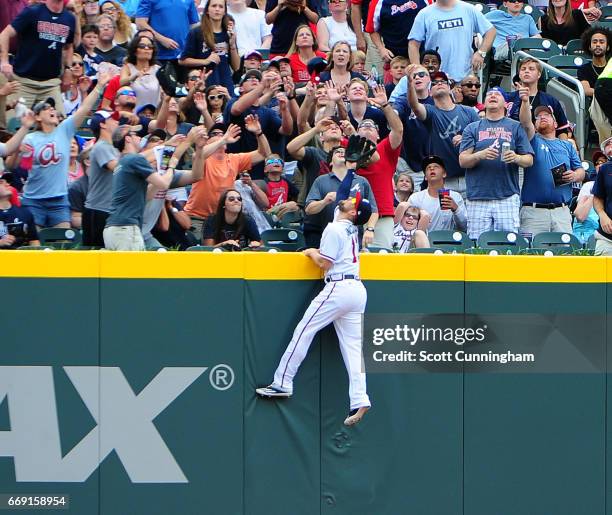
141, 63
406, 236
212, 104
76, 85
125, 28
336, 27
230, 227
212, 45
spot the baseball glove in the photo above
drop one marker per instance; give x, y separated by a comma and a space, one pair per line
359, 150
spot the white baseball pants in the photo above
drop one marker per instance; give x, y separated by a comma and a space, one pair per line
343, 303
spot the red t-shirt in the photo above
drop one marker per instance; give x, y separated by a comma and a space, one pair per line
110, 92
299, 69
380, 176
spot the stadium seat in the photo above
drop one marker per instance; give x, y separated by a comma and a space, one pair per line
557, 242
538, 47
285, 239
574, 47
377, 250
59, 238
606, 13
292, 219
607, 24
13, 125
480, 7
568, 63
504, 242
590, 244
450, 240
203, 248
425, 250
28, 247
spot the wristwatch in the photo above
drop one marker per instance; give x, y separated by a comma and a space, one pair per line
369, 229
482, 54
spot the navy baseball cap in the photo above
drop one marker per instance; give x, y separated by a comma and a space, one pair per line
364, 209
100, 117
499, 90
432, 159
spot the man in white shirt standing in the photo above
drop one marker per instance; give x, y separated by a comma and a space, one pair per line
252, 31
342, 300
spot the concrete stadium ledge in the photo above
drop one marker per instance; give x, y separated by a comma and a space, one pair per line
288, 266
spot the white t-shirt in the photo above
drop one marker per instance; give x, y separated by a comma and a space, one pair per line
340, 32
251, 28
340, 245
441, 219
402, 238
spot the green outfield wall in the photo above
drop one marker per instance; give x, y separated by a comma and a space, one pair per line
126, 382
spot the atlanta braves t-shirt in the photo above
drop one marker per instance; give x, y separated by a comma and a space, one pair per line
42, 36
51, 154
493, 179
443, 127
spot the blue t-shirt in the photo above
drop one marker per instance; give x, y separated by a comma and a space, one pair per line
603, 190
90, 62
171, 18
451, 32
493, 179
539, 185
42, 35
417, 144
195, 47
505, 24
51, 156
443, 126
541, 98
129, 190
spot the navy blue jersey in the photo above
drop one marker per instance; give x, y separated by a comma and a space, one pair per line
393, 20
42, 35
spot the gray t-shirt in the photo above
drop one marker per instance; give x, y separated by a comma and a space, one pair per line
99, 194
154, 207
129, 190
329, 182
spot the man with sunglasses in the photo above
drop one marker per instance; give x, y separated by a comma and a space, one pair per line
446, 121
511, 22
45, 34
492, 149
417, 144
470, 89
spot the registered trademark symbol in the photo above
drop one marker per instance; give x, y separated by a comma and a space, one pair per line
221, 377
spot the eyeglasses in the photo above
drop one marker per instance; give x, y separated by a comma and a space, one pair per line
514, 1
413, 217
109, 9
231, 198
215, 97
271, 162
106, 26
127, 92
193, 77
215, 133
144, 46
471, 85
76, 63
337, 1
436, 82
419, 75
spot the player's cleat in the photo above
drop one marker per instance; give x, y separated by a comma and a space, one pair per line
355, 415
271, 391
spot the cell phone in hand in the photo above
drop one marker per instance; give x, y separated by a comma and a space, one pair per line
16, 229
557, 174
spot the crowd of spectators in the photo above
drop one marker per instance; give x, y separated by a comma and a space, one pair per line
172, 123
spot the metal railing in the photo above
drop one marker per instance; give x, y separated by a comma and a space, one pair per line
581, 130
